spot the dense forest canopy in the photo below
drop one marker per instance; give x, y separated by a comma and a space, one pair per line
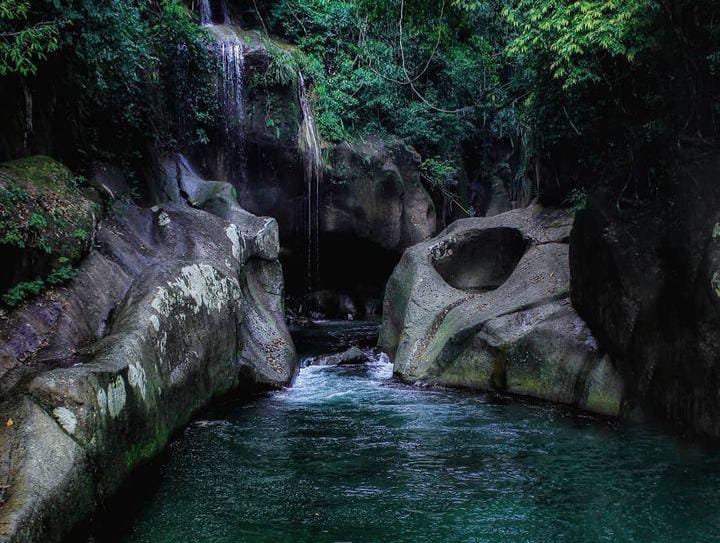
588, 92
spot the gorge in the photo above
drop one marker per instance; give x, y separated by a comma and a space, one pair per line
304, 270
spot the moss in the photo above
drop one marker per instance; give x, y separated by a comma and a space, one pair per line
603, 403
528, 385
530, 375
40, 172
604, 390
473, 367
44, 214
468, 374
142, 452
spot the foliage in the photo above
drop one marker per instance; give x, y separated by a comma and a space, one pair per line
353, 56
612, 88
135, 71
42, 209
44, 213
570, 38
24, 41
438, 173
283, 67
61, 275
598, 91
442, 176
21, 292
583, 92
187, 74
577, 200
28, 289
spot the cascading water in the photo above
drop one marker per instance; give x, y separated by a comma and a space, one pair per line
232, 96
225, 12
28, 116
233, 85
206, 14
309, 144
229, 49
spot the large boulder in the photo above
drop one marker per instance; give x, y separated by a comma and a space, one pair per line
176, 305
486, 305
646, 279
372, 207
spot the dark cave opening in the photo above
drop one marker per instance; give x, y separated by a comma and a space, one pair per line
352, 279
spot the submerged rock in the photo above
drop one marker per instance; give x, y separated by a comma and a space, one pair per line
354, 356
177, 305
486, 305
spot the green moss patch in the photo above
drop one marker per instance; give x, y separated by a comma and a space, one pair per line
46, 223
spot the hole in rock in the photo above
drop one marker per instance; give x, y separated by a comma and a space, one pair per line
481, 260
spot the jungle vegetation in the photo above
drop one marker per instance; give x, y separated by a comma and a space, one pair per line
589, 92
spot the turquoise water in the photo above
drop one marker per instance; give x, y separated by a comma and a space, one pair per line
349, 455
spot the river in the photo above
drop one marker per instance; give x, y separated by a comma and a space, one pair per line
350, 455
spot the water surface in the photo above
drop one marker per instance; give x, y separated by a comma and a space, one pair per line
349, 455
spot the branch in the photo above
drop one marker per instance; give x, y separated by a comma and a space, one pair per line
37, 26
410, 81
262, 22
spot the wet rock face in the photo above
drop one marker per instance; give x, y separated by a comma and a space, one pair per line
486, 305
374, 193
179, 303
373, 206
646, 281
370, 206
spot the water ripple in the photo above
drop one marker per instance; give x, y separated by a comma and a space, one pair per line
350, 455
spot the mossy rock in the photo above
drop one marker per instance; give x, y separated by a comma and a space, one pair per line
47, 221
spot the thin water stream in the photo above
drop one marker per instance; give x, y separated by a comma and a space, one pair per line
350, 455
309, 145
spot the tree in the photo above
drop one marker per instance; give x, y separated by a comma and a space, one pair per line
570, 39
24, 42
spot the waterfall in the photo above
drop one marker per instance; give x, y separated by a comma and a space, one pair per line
28, 116
232, 100
225, 12
206, 14
309, 144
233, 86
228, 48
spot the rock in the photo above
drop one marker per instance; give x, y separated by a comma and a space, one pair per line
109, 180
645, 278
486, 305
176, 306
372, 204
499, 199
354, 356
374, 192
46, 222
